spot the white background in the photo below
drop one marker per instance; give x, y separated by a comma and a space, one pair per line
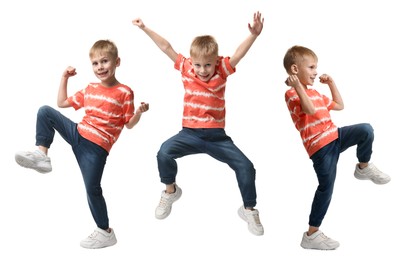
46, 216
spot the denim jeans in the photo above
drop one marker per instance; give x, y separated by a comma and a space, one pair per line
218, 145
325, 162
91, 157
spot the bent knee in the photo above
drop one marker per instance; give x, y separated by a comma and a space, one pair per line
368, 129
44, 110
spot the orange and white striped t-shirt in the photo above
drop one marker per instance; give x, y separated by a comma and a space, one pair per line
316, 130
107, 110
204, 102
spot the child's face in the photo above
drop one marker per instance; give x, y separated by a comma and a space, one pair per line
306, 70
204, 67
104, 67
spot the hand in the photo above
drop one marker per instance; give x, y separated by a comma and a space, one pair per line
258, 23
326, 79
69, 72
138, 22
143, 107
292, 81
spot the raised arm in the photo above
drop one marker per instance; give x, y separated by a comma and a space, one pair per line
137, 116
336, 95
161, 42
62, 95
306, 103
255, 30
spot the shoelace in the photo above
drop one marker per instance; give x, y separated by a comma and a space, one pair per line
163, 202
93, 235
256, 218
324, 236
37, 154
34, 154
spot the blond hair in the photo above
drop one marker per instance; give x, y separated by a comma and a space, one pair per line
295, 54
105, 47
204, 46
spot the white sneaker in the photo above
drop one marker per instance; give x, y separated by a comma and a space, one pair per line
99, 239
36, 160
165, 204
319, 241
371, 173
253, 220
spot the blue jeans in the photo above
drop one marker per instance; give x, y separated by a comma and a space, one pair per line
325, 162
218, 145
91, 157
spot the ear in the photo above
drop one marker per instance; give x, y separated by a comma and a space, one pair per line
294, 69
118, 62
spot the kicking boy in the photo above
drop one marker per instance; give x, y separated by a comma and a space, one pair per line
322, 139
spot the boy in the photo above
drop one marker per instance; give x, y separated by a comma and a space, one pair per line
322, 139
109, 106
204, 76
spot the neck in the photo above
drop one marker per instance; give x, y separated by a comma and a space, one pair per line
110, 83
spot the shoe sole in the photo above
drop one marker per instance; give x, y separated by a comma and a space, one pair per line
24, 162
99, 247
323, 249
